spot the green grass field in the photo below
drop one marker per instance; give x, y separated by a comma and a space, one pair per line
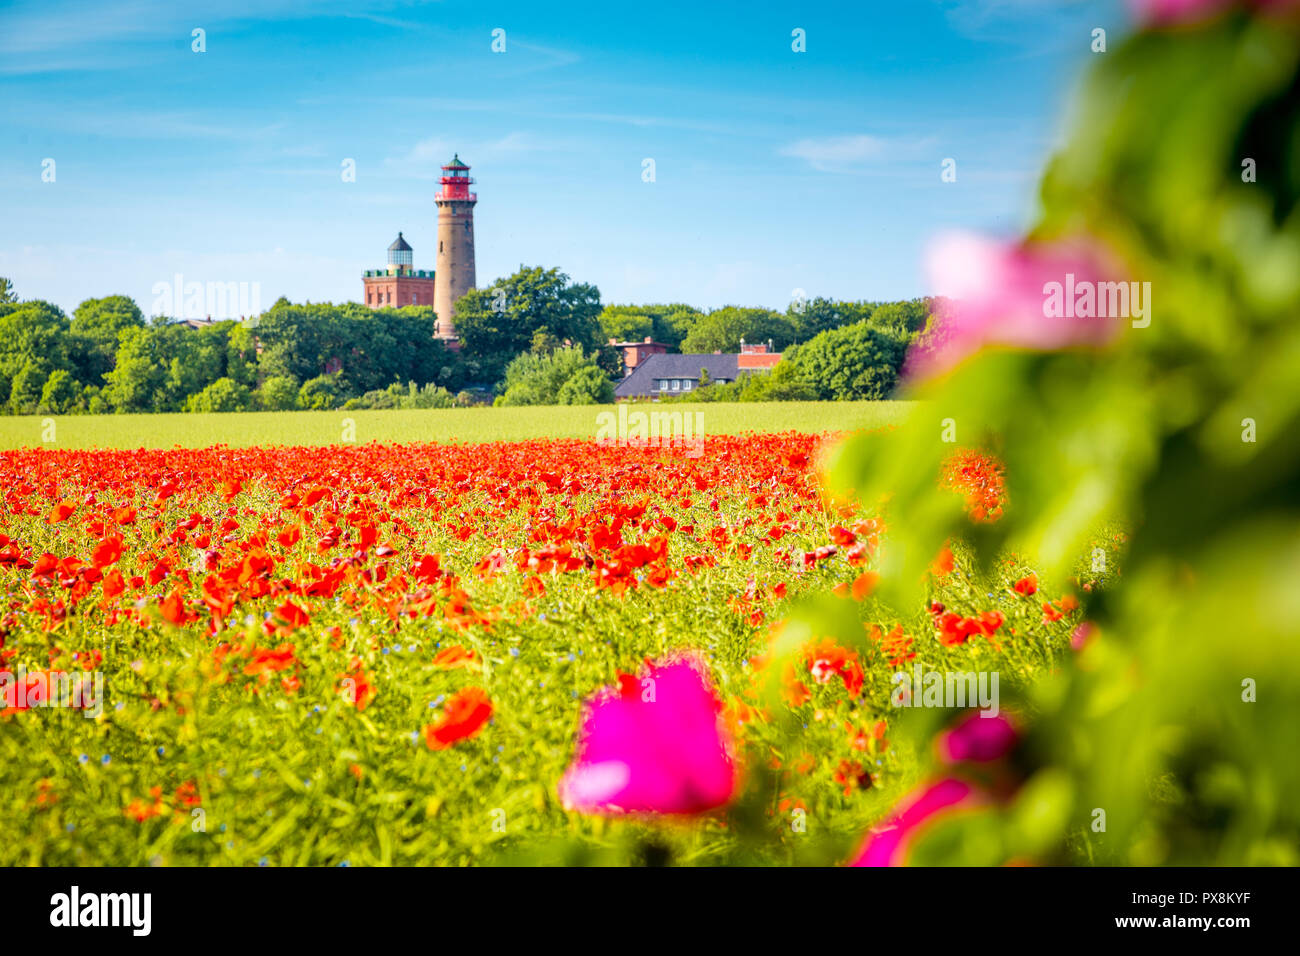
482, 424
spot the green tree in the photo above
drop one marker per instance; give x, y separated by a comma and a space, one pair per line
723, 329
626, 323
908, 317
278, 393
60, 392
99, 323
544, 343
851, 363
784, 383
668, 324
321, 392
137, 378
427, 396
7, 293
241, 354
497, 323
25, 392
587, 386
537, 379
369, 348
417, 356
159, 367
819, 315
35, 333
223, 395
195, 358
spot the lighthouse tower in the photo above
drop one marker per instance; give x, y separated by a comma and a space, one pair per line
455, 261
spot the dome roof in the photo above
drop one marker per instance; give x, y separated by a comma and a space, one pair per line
399, 245
455, 163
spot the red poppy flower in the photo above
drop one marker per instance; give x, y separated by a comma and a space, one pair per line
462, 717
455, 656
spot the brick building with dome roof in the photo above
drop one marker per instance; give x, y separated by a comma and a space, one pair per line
400, 283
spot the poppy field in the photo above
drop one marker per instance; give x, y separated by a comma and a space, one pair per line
541, 651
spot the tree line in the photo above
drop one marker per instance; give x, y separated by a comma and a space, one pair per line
534, 337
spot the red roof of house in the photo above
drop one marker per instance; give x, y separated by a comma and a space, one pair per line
757, 359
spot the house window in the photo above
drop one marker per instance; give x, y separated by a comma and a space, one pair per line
687, 385
389, 296
663, 385
677, 384
412, 298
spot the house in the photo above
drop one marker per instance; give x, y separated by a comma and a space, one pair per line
757, 356
672, 374
634, 353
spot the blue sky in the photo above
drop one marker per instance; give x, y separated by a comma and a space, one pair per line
774, 170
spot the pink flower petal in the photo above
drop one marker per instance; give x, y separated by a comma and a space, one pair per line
1166, 12
887, 845
658, 749
997, 294
978, 739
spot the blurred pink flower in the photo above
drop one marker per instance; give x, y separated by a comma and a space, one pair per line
977, 740
652, 745
997, 295
887, 844
974, 739
1082, 635
1164, 12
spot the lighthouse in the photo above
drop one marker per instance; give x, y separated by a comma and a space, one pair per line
455, 260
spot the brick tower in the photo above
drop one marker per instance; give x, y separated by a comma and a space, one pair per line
399, 284
455, 262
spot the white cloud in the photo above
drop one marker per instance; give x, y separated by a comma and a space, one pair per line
836, 150
848, 153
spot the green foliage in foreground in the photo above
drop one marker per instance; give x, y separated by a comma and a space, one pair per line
1178, 721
